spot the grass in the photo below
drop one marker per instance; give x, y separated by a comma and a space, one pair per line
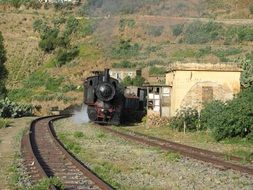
89, 51
202, 139
78, 134
173, 156
4, 123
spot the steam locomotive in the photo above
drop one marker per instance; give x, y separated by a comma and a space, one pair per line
108, 103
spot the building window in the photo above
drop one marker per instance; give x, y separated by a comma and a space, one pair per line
207, 93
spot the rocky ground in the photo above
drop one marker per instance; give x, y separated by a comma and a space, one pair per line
127, 165
9, 150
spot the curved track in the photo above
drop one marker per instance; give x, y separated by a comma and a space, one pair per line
45, 157
219, 160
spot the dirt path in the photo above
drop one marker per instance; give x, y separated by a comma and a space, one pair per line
8, 147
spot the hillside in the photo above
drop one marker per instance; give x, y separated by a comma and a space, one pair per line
108, 33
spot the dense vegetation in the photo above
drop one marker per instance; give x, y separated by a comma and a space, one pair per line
3, 71
199, 32
225, 120
136, 81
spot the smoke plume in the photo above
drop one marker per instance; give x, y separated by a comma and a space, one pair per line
81, 116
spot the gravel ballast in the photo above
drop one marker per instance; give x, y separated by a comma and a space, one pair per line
127, 165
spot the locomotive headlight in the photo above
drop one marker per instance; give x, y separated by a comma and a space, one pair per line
105, 91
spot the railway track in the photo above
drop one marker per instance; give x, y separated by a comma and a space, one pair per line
219, 160
45, 157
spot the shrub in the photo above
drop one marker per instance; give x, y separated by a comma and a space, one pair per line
233, 119
245, 33
19, 94
157, 71
4, 123
177, 29
155, 30
211, 109
198, 32
251, 8
11, 109
40, 26
123, 23
57, 21
33, 4
124, 64
204, 51
87, 28
187, 116
49, 40
247, 74
72, 25
64, 56
127, 81
126, 49
138, 80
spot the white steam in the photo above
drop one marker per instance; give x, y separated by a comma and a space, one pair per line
81, 116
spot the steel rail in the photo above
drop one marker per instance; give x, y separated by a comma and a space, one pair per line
188, 151
45, 156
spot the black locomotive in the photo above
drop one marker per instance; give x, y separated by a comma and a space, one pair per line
108, 103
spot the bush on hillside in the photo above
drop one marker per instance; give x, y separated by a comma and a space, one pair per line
136, 81
177, 29
49, 40
157, 71
198, 32
155, 31
63, 56
126, 49
251, 8
124, 64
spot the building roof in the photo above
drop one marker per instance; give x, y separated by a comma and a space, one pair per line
222, 67
123, 69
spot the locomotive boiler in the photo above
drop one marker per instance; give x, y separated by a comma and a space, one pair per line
107, 102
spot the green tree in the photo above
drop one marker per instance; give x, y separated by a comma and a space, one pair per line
3, 71
127, 81
247, 74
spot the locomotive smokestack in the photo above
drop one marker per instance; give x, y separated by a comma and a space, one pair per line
106, 76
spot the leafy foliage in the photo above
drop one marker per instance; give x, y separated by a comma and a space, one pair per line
247, 74
126, 23
177, 29
126, 49
11, 109
231, 119
136, 81
49, 40
188, 117
155, 30
3, 70
63, 56
198, 32
4, 123
124, 64
157, 71
71, 25
251, 8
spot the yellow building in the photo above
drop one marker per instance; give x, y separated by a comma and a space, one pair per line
193, 84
